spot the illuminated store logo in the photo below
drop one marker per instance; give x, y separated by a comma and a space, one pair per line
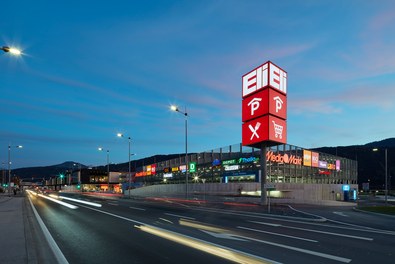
248, 160
314, 159
183, 168
167, 170
168, 175
216, 162
229, 162
306, 157
322, 164
173, 169
231, 167
288, 159
192, 167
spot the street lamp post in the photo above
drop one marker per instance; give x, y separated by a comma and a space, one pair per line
129, 172
386, 175
13, 51
9, 166
108, 166
175, 108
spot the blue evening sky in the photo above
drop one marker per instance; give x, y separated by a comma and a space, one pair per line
91, 69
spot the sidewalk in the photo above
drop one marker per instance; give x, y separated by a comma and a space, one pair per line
22, 240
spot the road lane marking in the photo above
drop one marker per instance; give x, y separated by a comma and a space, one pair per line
136, 208
310, 252
205, 246
165, 220
341, 214
180, 216
115, 204
52, 244
321, 232
223, 235
276, 234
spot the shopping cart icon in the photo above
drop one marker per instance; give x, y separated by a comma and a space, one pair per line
278, 130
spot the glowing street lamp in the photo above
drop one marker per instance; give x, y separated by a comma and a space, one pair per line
129, 174
108, 165
9, 166
175, 109
386, 171
13, 51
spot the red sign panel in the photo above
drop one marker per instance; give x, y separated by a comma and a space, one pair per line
266, 75
265, 128
267, 101
314, 159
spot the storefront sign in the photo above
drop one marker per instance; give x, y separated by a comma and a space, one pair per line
338, 165
183, 168
285, 158
174, 169
314, 159
192, 167
168, 175
228, 162
248, 160
331, 166
231, 167
167, 170
216, 162
322, 164
307, 158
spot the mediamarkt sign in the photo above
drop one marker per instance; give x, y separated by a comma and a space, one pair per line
264, 106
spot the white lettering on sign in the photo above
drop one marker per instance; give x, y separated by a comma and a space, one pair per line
254, 130
279, 103
278, 78
255, 80
254, 104
267, 74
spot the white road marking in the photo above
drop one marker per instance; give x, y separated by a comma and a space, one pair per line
310, 252
180, 216
276, 234
136, 208
223, 235
321, 232
341, 214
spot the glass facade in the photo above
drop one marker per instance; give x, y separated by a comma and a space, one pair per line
237, 163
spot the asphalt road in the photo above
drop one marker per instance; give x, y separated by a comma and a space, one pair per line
146, 231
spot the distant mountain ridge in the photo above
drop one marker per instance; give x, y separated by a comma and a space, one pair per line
371, 164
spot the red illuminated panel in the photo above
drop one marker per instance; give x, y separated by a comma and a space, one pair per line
314, 159
277, 130
266, 128
266, 101
255, 131
255, 105
277, 104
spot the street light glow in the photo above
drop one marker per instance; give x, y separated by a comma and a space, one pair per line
100, 148
119, 135
173, 108
11, 50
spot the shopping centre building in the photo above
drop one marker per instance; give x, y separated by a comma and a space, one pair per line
297, 173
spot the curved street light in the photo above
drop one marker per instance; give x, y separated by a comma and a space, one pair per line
9, 165
108, 165
176, 109
129, 173
13, 51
